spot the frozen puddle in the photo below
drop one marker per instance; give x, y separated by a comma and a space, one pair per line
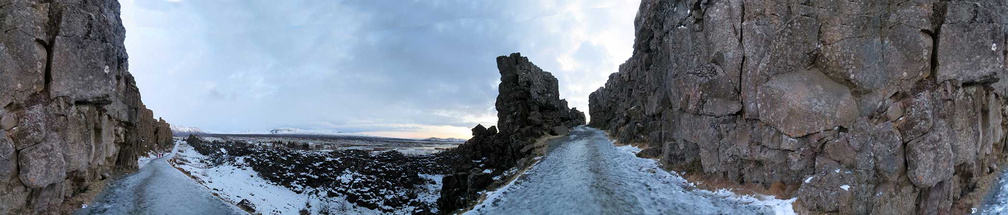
587, 174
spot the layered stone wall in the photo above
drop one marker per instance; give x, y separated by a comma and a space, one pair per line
856, 107
70, 111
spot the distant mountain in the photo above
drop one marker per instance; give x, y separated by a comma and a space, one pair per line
448, 140
185, 131
305, 131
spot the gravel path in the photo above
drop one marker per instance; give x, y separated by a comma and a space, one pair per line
158, 188
584, 173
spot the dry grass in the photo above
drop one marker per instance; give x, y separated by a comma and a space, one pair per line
984, 183
75, 202
778, 190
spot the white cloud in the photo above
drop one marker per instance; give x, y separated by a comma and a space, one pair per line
255, 65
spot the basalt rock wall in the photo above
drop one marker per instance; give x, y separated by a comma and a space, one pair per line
528, 108
70, 112
855, 107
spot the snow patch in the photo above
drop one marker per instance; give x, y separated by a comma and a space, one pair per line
491, 197
234, 184
143, 160
845, 187
629, 149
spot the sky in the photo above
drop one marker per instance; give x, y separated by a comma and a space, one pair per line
398, 68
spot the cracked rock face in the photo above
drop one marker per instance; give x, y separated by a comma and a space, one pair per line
69, 109
901, 98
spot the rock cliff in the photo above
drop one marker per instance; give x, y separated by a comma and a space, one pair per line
70, 112
528, 108
855, 107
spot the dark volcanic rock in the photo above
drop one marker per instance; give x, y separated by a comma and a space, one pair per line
901, 101
70, 112
246, 205
805, 102
929, 160
528, 108
41, 165
383, 181
8, 161
529, 98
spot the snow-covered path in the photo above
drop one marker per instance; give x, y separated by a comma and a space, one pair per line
158, 188
584, 173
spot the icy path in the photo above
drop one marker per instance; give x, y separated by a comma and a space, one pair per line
996, 201
584, 173
158, 188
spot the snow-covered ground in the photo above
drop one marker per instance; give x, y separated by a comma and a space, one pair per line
157, 188
235, 184
586, 174
314, 182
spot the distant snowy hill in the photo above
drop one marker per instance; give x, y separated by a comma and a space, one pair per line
185, 131
302, 131
447, 140
298, 131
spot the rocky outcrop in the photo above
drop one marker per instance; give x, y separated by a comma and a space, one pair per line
70, 112
389, 181
528, 108
858, 107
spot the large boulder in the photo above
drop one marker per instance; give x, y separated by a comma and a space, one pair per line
828, 191
972, 44
929, 160
42, 164
22, 59
885, 147
805, 102
31, 129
